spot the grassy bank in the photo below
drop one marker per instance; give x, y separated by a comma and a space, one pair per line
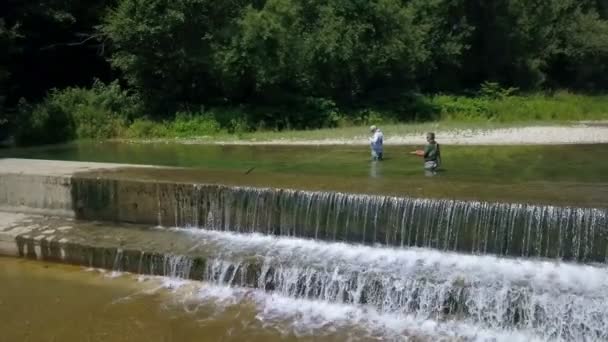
107, 112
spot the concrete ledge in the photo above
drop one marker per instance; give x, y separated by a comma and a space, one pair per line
43, 186
54, 168
128, 248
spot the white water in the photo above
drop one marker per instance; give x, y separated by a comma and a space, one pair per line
542, 274
469, 226
556, 301
314, 318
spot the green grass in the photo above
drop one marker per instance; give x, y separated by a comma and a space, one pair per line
107, 112
489, 111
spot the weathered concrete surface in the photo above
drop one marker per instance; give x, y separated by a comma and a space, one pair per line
42, 186
37, 167
8, 221
128, 248
83, 243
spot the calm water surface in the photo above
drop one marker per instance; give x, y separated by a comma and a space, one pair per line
580, 163
554, 174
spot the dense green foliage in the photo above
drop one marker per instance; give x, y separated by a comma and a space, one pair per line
8, 36
102, 111
107, 111
197, 67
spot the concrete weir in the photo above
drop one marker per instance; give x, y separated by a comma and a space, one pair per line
42, 186
126, 248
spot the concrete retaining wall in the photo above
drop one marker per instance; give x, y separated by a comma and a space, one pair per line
36, 194
42, 186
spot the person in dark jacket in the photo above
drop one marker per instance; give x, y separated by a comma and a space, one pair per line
431, 153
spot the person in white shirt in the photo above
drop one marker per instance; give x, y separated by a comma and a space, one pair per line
376, 142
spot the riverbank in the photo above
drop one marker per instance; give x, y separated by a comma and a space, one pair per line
590, 132
525, 119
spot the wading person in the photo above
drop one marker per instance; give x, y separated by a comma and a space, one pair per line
376, 141
431, 154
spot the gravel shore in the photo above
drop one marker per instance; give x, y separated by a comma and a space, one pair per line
580, 134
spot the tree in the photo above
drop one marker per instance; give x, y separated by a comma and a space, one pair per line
515, 42
582, 62
341, 49
57, 46
8, 36
164, 48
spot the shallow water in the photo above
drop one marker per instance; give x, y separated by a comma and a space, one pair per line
50, 302
558, 174
581, 163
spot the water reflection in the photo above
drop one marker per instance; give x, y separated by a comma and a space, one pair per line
375, 169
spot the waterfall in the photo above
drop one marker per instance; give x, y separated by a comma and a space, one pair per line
559, 301
514, 229
547, 298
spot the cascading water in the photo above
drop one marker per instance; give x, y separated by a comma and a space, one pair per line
251, 238
514, 229
563, 302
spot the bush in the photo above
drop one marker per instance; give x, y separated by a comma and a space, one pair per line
95, 122
367, 116
463, 108
398, 106
562, 106
107, 111
228, 116
238, 126
501, 105
144, 128
185, 125
100, 112
287, 111
493, 90
45, 123
189, 124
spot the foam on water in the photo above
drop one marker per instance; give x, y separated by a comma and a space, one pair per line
311, 317
560, 301
539, 274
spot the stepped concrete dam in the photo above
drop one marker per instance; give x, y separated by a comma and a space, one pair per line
407, 267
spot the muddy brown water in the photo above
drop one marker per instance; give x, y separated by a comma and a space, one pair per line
54, 302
